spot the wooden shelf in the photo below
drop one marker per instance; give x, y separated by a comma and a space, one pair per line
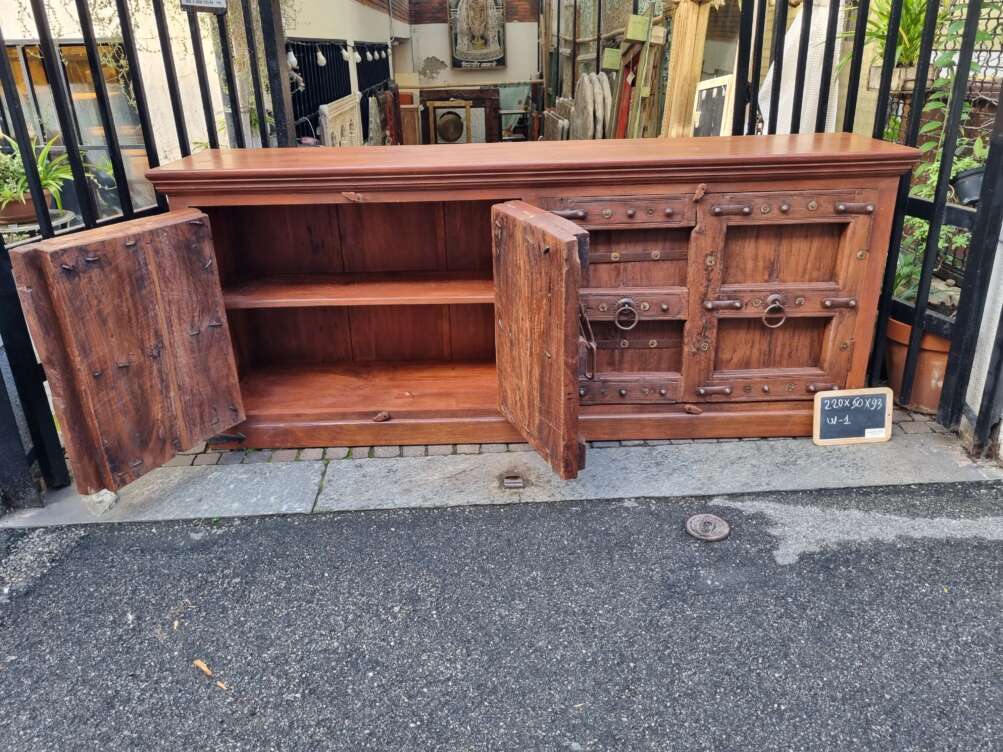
360, 391
321, 290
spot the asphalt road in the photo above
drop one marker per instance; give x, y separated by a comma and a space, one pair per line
843, 620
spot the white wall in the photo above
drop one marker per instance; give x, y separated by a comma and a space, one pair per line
987, 336
430, 56
344, 19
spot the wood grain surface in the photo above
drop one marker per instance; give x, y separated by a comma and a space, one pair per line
537, 271
345, 174
132, 333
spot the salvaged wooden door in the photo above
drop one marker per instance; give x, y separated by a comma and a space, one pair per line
774, 280
538, 259
131, 329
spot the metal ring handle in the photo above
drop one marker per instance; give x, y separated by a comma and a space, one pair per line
626, 305
773, 309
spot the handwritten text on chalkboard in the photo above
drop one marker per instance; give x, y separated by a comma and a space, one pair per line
853, 416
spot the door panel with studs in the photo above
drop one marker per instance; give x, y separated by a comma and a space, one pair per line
634, 295
773, 281
131, 329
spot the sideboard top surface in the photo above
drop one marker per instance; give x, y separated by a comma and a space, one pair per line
479, 166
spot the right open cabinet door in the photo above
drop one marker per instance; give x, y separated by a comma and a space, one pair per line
130, 326
538, 260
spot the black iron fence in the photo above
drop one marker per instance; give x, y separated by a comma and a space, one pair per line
51, 131
951, 93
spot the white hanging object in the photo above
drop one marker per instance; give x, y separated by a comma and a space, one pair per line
344, 54
291, 59
358, 57
321, 60
383, 54
369, 56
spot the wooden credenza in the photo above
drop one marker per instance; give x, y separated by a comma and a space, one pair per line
554, 292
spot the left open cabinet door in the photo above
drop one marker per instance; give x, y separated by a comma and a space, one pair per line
538, 259
130, 326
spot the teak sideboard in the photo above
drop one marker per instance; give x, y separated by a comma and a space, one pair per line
551, 292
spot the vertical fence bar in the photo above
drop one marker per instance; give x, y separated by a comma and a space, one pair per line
951, 127
598, 35
978, 275
757, 63
252, 55
203, 79
558, 90
104, 109
828, 53
170, 73
52, 64
889, 58
742, 68
23, 139
4, 125
274, 41
927, 38
574, 49
856, 59
29, 380
799, 71
779, 35
17, 487
991, 391
138, 89
226, 51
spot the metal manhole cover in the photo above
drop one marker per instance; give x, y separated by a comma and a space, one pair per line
708, 527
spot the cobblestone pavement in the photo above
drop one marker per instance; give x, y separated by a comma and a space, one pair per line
904, 422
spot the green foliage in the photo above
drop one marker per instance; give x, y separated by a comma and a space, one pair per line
910, 30
970, 151
53, 171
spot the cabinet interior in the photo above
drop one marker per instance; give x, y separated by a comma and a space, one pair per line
367, 307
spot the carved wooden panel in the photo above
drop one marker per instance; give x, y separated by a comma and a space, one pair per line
775, 280
537, 272
131, 329
341, 122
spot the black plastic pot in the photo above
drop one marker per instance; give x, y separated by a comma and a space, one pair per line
968, 185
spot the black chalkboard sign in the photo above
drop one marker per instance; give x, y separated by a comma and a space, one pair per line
853, 416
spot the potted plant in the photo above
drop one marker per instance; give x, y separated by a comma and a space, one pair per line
933, 349
967, 184
906, 50
16, 204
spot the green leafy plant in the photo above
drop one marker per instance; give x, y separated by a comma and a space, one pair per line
53, 171
910, 30
971, 150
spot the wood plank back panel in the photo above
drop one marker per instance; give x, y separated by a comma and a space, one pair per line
392, 237
537, 272
467, 226
253, 242
130, 324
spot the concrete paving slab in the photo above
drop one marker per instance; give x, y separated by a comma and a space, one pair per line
180, 493
677, 470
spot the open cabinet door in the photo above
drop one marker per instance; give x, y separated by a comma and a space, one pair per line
130, 326
537, 272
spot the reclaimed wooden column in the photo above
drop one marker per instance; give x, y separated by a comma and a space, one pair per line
689, 33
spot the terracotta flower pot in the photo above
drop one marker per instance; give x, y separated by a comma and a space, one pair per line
21, 212
930, 366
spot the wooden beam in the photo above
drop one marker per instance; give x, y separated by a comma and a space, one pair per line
689, 33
